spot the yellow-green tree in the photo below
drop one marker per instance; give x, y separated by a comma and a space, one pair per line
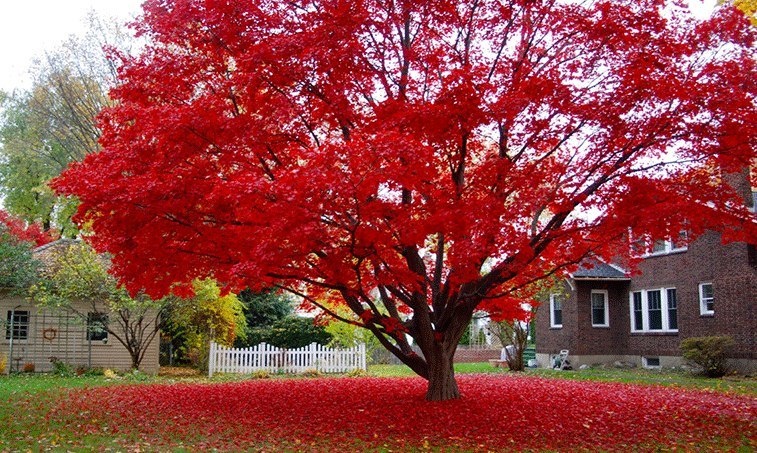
748, 7
208, 316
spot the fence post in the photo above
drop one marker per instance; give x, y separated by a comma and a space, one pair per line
311, 358
211, 359
362, 357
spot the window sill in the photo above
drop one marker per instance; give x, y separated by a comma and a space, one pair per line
666, 253
602, 326
555, 327
655, 333
707, 315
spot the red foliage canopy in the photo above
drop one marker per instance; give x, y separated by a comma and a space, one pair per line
423, 156
19, 229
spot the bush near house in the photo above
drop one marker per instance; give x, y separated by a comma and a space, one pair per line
709, 353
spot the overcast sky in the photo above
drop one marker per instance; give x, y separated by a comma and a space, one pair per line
29, 27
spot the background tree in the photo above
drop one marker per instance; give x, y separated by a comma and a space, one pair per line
513, 333
447, 155
75, 279
511, 323
271, 319
207, 316
45, 128
18, 268
263, 309
291, 332
23, 231
345, 335
748, 7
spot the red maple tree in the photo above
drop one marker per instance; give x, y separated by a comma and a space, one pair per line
18, 228
415, 160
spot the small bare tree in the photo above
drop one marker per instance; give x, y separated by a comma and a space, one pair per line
513, 334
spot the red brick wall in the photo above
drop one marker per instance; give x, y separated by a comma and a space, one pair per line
727, 267
734, 283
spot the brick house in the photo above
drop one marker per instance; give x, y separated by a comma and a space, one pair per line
700, 289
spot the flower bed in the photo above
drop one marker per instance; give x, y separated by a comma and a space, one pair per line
496, 412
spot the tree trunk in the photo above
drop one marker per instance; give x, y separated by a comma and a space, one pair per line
441, 376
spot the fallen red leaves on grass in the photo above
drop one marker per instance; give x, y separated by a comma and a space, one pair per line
496, 413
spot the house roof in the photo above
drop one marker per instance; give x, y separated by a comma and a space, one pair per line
45, 253
596, 269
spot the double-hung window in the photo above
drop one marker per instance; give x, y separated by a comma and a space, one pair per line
600, 316
654, 310
706, 299
555, 311
17, 325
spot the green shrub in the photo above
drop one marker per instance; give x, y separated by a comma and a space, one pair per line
709, 353
94, 372
61, 368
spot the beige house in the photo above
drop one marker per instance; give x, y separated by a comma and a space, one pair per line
32, 337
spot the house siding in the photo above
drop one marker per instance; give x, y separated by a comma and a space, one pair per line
67, 341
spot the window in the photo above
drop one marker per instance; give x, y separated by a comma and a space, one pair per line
638, 312
672, 309
650, 362
645, 246
96, 325
659, 247
706, 299
664, 247
654, 310
555, 310
18, 323
599, 309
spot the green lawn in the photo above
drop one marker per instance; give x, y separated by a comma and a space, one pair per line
736, 384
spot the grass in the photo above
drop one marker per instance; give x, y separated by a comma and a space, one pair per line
673, 378
25, 399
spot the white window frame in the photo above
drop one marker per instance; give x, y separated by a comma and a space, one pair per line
552, 302
645, 363
703, 310
665, 307
668, 248
606, 297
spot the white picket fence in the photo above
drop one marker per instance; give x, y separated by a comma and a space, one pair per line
275, 360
